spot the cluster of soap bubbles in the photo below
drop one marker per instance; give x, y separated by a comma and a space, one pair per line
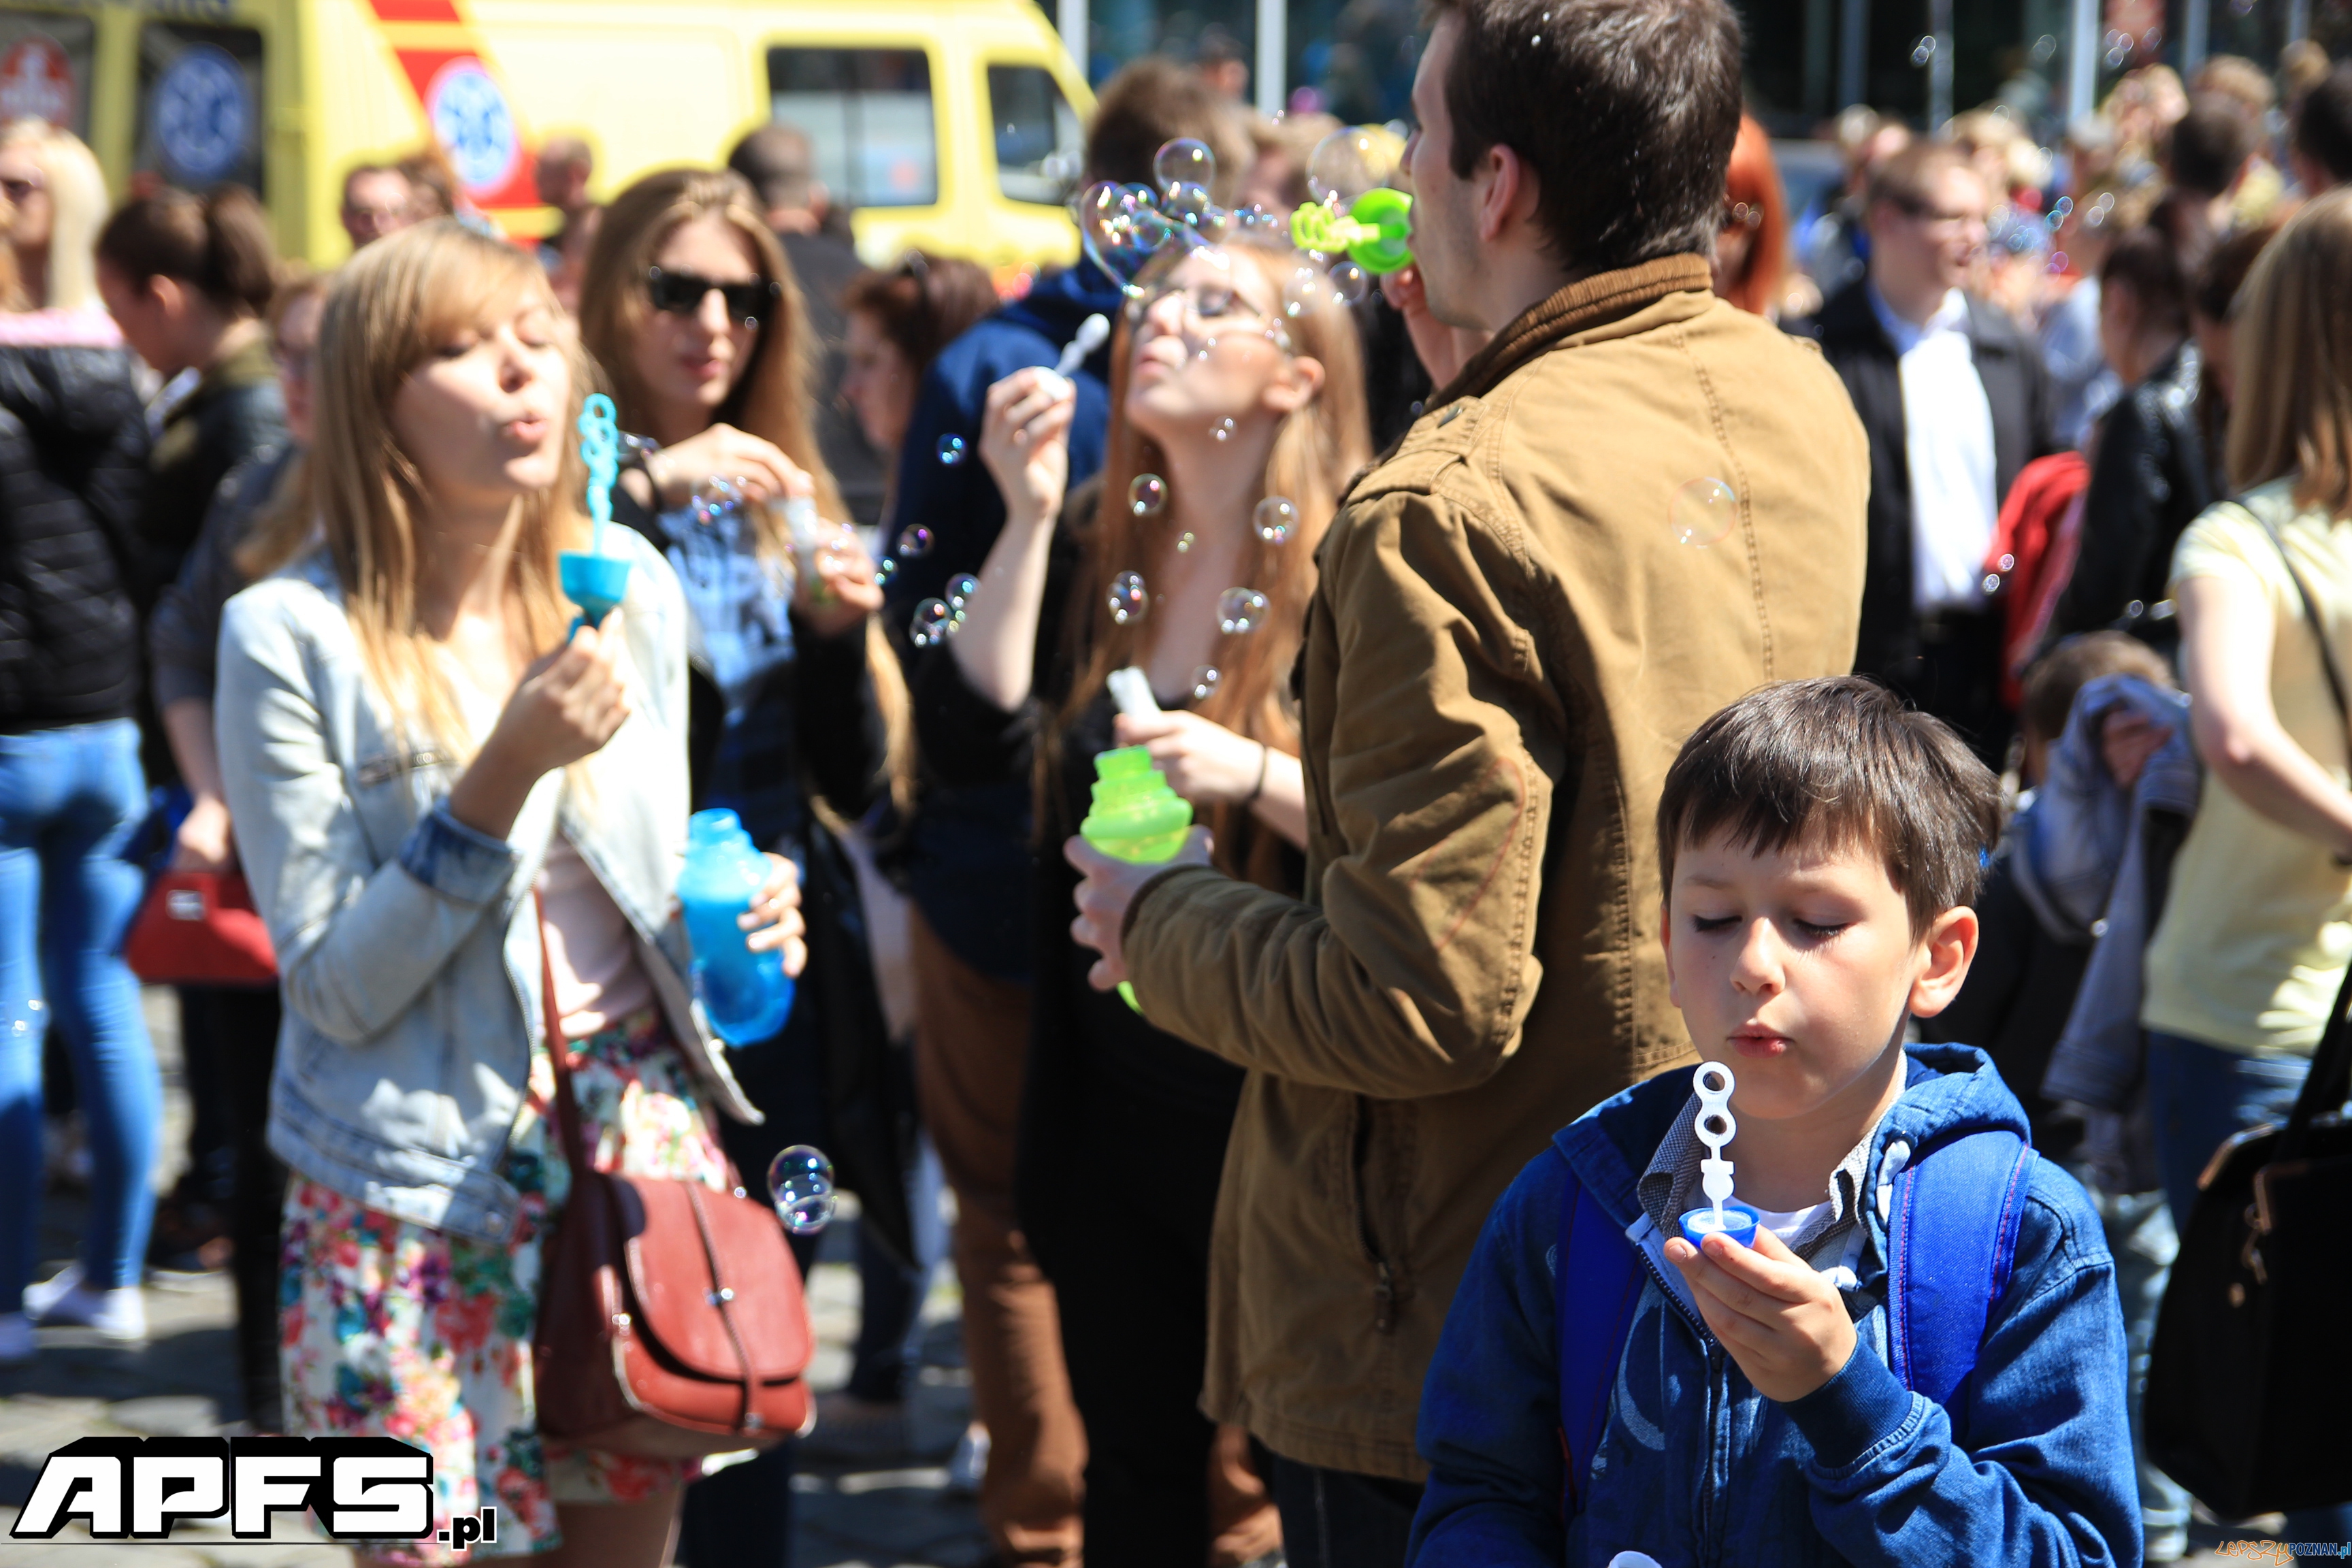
936, 620
800, 1184
714, 499
1128, 228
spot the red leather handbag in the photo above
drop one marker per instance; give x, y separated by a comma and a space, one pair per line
200, 928
671, 1321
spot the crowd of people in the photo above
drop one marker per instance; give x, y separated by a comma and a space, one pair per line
1654, 622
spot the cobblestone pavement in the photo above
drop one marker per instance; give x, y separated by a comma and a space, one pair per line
183, 1382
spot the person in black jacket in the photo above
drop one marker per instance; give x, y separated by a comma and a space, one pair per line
1954, 400
2149, 473
73, 442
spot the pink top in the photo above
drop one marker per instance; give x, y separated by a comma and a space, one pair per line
88, 328
598, 981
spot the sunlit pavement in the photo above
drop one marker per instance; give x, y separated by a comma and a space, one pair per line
898, 1513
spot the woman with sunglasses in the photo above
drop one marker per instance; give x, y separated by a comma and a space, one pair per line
691, 309
1223, 406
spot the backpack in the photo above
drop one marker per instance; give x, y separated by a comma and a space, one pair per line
1942, 1283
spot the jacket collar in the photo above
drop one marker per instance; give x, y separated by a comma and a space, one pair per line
1581, 305
1850, 314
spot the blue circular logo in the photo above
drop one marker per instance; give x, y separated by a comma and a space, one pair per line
201, 114
472, 123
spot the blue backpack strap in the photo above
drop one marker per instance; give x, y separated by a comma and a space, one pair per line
1597, 1281
1945, 1279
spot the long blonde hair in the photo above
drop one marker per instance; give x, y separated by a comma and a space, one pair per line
390, 307
2293, 410
77, 203
1318, 448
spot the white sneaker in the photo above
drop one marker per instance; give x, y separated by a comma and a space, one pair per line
40, 1297
17, 1343
120, 1315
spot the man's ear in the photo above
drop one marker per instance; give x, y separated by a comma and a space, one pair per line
1950, 947
1507, 194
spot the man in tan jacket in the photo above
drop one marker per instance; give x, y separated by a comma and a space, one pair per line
1634, 505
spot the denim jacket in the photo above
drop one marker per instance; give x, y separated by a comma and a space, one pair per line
408, 945
1696, 1466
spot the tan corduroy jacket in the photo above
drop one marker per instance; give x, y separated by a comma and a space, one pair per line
1508, 643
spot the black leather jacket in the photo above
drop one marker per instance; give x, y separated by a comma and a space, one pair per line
73, 453
2149, 481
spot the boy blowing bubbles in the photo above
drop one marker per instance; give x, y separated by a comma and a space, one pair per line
1819, 846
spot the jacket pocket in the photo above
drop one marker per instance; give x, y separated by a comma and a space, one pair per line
1369, 1133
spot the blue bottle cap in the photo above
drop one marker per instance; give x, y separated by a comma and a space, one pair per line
1739, 1223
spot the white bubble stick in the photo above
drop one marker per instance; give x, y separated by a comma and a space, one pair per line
1715, 1126
1093, 332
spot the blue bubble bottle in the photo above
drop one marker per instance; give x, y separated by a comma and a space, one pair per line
745, 994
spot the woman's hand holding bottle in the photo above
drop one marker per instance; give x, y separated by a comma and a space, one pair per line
758, 469
566, 707
1025, 439
773, 920
1205, 762
837, 589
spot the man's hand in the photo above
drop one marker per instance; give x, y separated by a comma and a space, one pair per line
1109, 886
204, 843
1784, 1324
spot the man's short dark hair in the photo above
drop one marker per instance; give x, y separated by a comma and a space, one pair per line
1625, 110
2322, 126
1153, 101
2145, 261
2210, 144
1839, 761
1907, 179
778, 163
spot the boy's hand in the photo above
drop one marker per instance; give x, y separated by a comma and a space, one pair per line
1783, 1323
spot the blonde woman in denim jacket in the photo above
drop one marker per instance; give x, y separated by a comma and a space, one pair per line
407, 764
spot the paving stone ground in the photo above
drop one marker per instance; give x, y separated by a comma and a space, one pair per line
183, 1382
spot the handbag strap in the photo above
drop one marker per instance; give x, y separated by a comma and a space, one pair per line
567, 1105
2330, 665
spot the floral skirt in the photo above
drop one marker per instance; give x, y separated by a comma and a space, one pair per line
390, 1329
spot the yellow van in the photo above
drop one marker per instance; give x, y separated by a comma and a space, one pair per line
954, 125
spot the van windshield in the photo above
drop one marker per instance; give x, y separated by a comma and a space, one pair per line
1040, 145
869, 116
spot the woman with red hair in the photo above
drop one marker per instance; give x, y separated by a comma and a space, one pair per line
1751, 251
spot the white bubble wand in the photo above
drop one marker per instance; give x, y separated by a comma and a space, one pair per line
1715, 1126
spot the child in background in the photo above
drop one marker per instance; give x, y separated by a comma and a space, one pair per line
1820, 847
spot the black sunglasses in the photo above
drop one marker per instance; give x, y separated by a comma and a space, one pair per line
682, 293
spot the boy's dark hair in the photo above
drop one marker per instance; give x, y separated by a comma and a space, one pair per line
1625, 110
2058, 676
2323, 124
1838, 759
2210, 144
2144, 262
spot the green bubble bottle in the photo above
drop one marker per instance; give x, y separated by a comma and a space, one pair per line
1135, 817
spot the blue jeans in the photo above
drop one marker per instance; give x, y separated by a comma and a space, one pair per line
69, 799
2202, 1095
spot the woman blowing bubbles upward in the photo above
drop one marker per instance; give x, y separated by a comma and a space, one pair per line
1223, 408
413, 749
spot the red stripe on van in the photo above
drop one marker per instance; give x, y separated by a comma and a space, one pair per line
415, 10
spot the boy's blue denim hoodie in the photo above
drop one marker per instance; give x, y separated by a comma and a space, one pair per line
1696, 1466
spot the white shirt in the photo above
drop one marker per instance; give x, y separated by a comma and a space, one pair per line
1947, 445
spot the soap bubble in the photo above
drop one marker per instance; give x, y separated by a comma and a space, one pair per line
1208, 347
1129, 602
1276, 517
1346, 164
1304, 291
1204, 682
800, 1182
714, 497
1122, 230
1148, 495
883, 569
929, 626
1924, 50
1183, 162
1240, 610
1349, 283
915, 542
1704, 513
952, 451
1223, 430
1187, 203
961, 588
1184, 543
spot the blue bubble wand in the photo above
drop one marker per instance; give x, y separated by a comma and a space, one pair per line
592, 580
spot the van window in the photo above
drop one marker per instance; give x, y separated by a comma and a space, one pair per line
45, 69
200, 104
1040, 145
869, 116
